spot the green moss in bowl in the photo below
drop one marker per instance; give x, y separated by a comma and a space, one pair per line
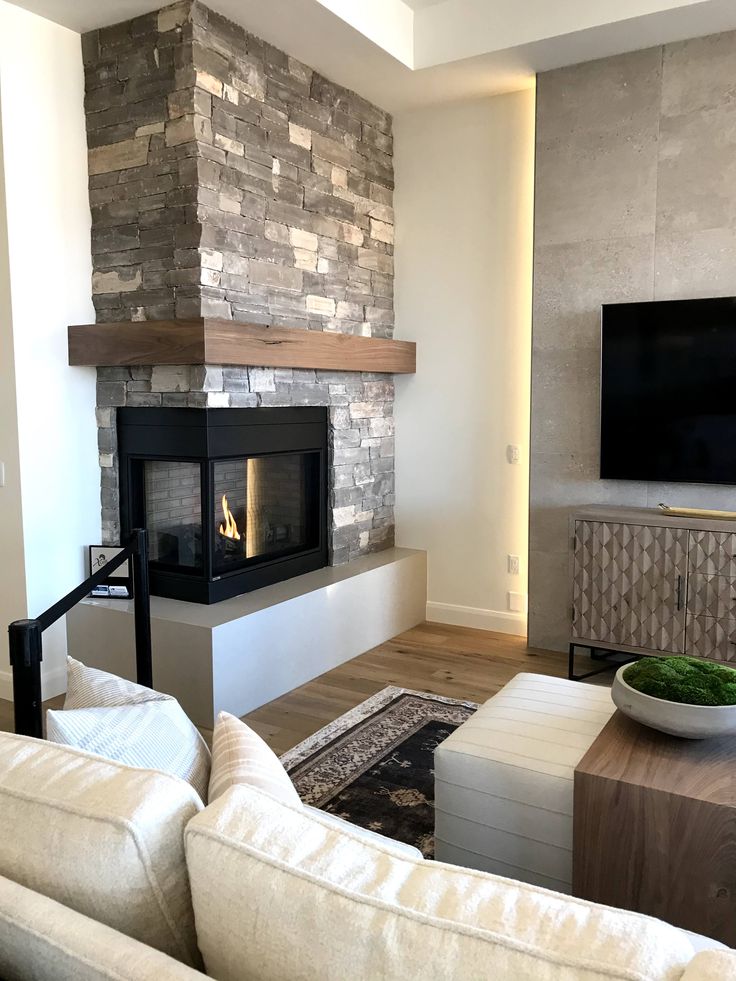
683, 679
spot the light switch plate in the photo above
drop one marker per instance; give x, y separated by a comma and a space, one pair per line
516, 602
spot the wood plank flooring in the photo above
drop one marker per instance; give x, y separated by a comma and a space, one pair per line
454, 661
6, 711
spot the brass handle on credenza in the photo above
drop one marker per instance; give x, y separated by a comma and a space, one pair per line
679, 592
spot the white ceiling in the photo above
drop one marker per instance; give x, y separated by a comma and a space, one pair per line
404, 54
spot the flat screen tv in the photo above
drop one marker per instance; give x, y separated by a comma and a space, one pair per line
668, 391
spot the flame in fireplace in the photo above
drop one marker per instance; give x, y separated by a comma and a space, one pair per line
229, 529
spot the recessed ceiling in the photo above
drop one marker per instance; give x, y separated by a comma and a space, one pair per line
404, 54
420, 4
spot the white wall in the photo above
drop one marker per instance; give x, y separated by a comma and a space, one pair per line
48, 270
12, 572
464, 221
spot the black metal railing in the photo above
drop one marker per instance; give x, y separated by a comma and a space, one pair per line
26, 644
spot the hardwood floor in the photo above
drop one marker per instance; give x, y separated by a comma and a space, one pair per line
444, 660
6, 711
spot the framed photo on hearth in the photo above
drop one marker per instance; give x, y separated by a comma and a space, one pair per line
118, 584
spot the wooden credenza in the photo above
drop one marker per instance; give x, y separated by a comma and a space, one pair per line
650, 583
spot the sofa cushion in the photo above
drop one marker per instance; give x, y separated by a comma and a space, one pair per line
43, 940
239, 755
712, 965
348, 908
397, 846
122, 721
701, 942
104, 839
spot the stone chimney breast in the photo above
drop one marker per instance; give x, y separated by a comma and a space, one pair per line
228, 180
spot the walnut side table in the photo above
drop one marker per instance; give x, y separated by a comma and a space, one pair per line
654, 822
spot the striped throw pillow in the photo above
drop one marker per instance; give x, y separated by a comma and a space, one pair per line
240, 756
91, 688
122, 721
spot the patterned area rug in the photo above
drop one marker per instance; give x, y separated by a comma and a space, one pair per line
374, 766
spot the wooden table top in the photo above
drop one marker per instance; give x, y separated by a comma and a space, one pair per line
699, 769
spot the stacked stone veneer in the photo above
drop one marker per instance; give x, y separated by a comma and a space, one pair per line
229, 180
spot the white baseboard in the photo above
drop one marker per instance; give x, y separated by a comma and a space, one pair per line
499, 621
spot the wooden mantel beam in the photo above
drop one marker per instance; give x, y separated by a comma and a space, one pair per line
226, 342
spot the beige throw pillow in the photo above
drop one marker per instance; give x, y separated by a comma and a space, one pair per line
712, 965
122, 721
240, 756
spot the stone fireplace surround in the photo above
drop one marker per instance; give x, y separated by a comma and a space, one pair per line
229, 180
361, 435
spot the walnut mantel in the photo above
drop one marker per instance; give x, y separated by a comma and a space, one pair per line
224, 342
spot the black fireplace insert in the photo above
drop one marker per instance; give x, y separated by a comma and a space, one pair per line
232, 499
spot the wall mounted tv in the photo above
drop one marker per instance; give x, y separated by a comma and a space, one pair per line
668, 391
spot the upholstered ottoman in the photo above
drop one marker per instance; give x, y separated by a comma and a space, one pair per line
504, 779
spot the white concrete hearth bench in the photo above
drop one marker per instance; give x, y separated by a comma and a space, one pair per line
236, 655
504, 779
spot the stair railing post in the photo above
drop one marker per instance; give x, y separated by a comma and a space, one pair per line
26, 654
142, 608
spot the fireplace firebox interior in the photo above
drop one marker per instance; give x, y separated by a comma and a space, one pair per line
233, 499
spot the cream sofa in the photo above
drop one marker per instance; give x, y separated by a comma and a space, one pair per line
111, 872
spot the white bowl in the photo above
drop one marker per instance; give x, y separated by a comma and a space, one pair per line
675, 718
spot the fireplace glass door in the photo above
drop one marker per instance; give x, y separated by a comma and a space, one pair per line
173, 506
264, 508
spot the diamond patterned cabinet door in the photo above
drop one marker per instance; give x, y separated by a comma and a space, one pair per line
708, 637
713, 553
711, 596
629, 585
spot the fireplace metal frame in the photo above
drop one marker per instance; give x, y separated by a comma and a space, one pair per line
205, 436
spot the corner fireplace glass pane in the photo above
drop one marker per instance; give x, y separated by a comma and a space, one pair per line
173, 495
264, 508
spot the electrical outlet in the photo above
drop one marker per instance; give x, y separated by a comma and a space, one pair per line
514, 565
513, 453
516, 602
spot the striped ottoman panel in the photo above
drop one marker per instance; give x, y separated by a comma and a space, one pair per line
504, 779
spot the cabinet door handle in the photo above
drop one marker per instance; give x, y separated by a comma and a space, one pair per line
679, 592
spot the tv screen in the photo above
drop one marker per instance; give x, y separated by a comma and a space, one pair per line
668, 391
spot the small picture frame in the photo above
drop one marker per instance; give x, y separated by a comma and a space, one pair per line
118, 584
